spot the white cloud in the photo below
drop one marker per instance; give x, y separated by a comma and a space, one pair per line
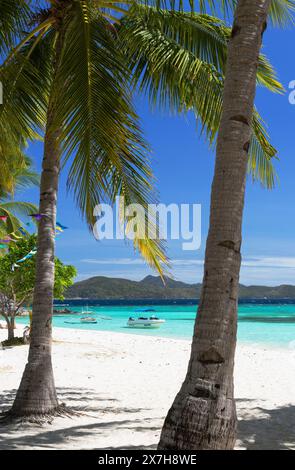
273, 262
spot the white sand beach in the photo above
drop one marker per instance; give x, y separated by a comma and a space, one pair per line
124, 384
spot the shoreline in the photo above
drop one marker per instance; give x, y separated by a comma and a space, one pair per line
246, 343
125, 383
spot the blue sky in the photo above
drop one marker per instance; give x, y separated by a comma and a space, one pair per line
183, 167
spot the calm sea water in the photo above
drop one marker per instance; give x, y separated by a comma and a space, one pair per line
264, 324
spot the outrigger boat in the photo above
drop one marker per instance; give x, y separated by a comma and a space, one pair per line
88, 320
145, 321
82, 320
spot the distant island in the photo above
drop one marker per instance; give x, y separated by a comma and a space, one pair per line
152, 287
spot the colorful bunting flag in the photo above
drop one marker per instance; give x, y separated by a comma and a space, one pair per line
28, 256
59, 229
22, 231
37, 216
7, 240
60, 226
14, 266
3, 218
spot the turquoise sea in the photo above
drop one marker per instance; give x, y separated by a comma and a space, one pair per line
271, 324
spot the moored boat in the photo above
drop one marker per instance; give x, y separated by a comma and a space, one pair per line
147, 322
88, 320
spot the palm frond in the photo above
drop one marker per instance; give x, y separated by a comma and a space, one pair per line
18, 208
14, 210
146, 31
173, 73
281, 12
101, 134
26, 81
14, 18
24, 175
261, 155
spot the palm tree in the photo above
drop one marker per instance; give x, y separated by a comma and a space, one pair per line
203, 415
71, 69
75, 77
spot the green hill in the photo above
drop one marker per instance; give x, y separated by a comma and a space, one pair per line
151, 287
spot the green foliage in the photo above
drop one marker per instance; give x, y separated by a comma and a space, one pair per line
90, 89
281, 11
177, 57
178, 61
64, 276
16, 174
14, 17
18, 285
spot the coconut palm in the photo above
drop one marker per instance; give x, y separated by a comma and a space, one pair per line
71, 77
203, 415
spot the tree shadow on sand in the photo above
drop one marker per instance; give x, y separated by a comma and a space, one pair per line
259, 427
105, 415
266, 429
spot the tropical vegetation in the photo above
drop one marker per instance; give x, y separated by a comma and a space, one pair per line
17, 175
70, 77
17, 280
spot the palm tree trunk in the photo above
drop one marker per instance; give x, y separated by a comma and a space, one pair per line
203, 415
37, 394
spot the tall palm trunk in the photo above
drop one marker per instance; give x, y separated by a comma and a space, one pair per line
37, 394
203, 415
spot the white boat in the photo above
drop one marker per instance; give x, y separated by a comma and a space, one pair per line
88, 320
145, 322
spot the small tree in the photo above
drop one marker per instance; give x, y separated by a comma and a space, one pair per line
16, 286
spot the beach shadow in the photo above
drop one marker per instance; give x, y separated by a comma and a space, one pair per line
69, 396
96, 409
259, 428
59, 438
77, 399
141, 447
266, 429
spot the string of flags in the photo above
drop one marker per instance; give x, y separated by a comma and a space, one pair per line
38, 216
7, 240
28, 256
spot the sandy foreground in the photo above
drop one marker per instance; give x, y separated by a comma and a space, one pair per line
124, 385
